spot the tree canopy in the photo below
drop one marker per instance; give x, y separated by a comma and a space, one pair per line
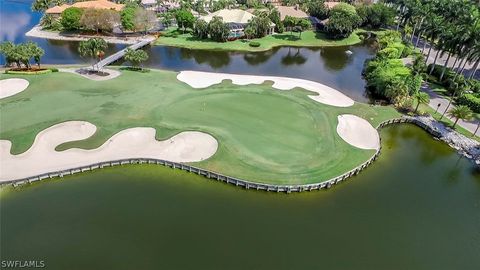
343, 21
184, 18
218, 30
21, 54
135, 57
70, 18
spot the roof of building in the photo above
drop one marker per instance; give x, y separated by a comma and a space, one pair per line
230, 16
293, 11
98, 4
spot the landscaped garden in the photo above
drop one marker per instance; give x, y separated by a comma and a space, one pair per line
265, 135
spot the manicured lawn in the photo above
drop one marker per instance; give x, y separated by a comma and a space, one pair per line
307, 39
264, 134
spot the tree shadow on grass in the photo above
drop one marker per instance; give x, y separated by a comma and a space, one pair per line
288, 37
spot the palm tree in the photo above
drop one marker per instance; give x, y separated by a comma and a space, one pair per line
460, 112
93, 48
421, 98
135, 57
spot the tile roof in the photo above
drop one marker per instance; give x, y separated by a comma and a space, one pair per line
98, 4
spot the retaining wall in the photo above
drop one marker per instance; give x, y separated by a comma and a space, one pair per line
224, 178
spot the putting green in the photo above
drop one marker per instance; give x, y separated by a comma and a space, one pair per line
264, 135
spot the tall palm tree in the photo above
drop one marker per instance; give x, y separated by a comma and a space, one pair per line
460, 112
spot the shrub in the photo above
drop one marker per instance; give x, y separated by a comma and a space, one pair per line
54, 69
254, 44
127, 17
474, 85
407, 50
71, 18
388, 53
170, 34
26, 72
383, 75
470, 100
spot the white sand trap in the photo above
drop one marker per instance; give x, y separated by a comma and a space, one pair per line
190, 146
357, 132
326, 95
10, 87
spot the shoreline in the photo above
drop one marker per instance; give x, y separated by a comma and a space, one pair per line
37, 32
426, 123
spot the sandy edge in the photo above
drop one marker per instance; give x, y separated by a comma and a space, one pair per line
140, 142
12, 86
358, 132
326, 95
37, 32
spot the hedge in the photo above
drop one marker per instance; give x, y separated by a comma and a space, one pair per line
254, 44
23, 72
470, 100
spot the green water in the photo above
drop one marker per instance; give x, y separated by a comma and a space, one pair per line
417, 207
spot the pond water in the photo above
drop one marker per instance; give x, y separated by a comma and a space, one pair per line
417, 207
330, 66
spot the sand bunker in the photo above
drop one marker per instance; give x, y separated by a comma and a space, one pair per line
326, 95
10, 87
138, 142
357, 132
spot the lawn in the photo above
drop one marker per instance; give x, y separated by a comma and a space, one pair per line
307, 39
264, 135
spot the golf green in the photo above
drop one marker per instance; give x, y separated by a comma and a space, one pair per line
264, 135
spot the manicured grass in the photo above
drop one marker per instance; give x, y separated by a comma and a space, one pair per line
307, 39
264, 134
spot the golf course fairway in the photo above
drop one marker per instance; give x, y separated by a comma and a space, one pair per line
264, 134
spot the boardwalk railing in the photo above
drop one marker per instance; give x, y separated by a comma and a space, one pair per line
114, 57
221, 177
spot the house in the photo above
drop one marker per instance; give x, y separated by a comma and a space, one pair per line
160, 8
292, 11
236, 19
97, 4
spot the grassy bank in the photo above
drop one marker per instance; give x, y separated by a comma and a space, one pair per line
264, 134
307, 39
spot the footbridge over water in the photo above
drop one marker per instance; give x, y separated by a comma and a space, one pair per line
116, 56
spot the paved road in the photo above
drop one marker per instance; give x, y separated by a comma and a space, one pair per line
441, 60
436, 99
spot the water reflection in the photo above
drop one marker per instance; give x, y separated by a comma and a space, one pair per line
293, 58
335, 59
215, 59
258, 58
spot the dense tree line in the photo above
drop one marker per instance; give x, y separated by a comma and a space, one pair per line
450, 26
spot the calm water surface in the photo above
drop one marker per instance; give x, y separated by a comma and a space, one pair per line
330, 66
417, 207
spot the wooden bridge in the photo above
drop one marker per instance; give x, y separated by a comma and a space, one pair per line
116, 56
